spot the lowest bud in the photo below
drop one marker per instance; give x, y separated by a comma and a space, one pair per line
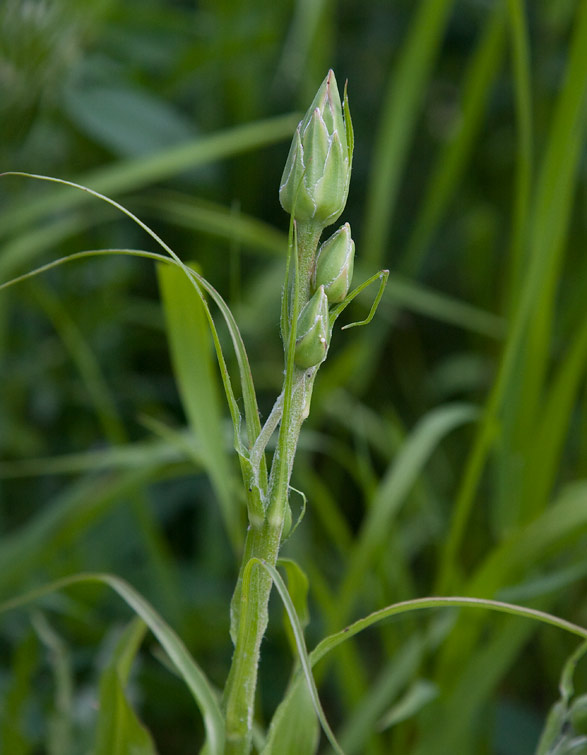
334, 265
312, 332
315, 182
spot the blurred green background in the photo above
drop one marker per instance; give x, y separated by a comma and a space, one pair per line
446, 451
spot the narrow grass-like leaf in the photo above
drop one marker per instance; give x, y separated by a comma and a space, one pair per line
59, 734
525, 151
119, 731
196, 378
63, 519
547, 236
134, 174
219, 221
452, 161
553, 530
248, 390
393, 489
367, 717
13, 738
184, 664
399, 112
130, 456
338, 638
420, 694
301, 648
294, 727
297, 587
547, 443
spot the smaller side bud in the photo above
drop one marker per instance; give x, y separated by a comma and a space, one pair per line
312, 332
334, 265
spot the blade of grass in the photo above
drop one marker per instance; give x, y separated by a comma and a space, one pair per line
401, 104
131, 456
219, 221
525, 150
302, 650
119, 730
548, 233
247, 387
454, 157
334, 640
184, 664
133, 174
196, 378
63, 518
393, 489
60, 734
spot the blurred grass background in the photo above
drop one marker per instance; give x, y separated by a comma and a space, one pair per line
446, 451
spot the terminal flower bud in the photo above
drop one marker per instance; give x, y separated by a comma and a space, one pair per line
334, 265
315, 181
312, 332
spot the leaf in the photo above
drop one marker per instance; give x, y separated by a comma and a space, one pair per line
119, 731
393, 489
294, 727
420, 694
334, 640
302, 651
184, 664
248, 389
59, 729
13, 739
189, 343
129, 175
297, 586
109, 114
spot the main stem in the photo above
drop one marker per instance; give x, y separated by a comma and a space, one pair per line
263, 541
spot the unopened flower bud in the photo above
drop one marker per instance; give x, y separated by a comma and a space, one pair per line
312, 332
334, 265
315, 181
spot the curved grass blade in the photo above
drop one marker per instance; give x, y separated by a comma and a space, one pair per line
477, 87
546, 237
185, 665
132, 174
302, 650
119, 729
248, 390
399, 112
338, 638
196, 378
392, 491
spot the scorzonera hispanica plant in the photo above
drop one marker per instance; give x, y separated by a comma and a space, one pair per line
314, 191
318, 278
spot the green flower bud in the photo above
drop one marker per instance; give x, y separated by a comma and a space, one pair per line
334, 265
312, 332
315, 181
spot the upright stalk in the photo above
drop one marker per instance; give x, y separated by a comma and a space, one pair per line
263, 542
313, 190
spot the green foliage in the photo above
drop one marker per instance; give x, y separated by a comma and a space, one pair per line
445, 453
